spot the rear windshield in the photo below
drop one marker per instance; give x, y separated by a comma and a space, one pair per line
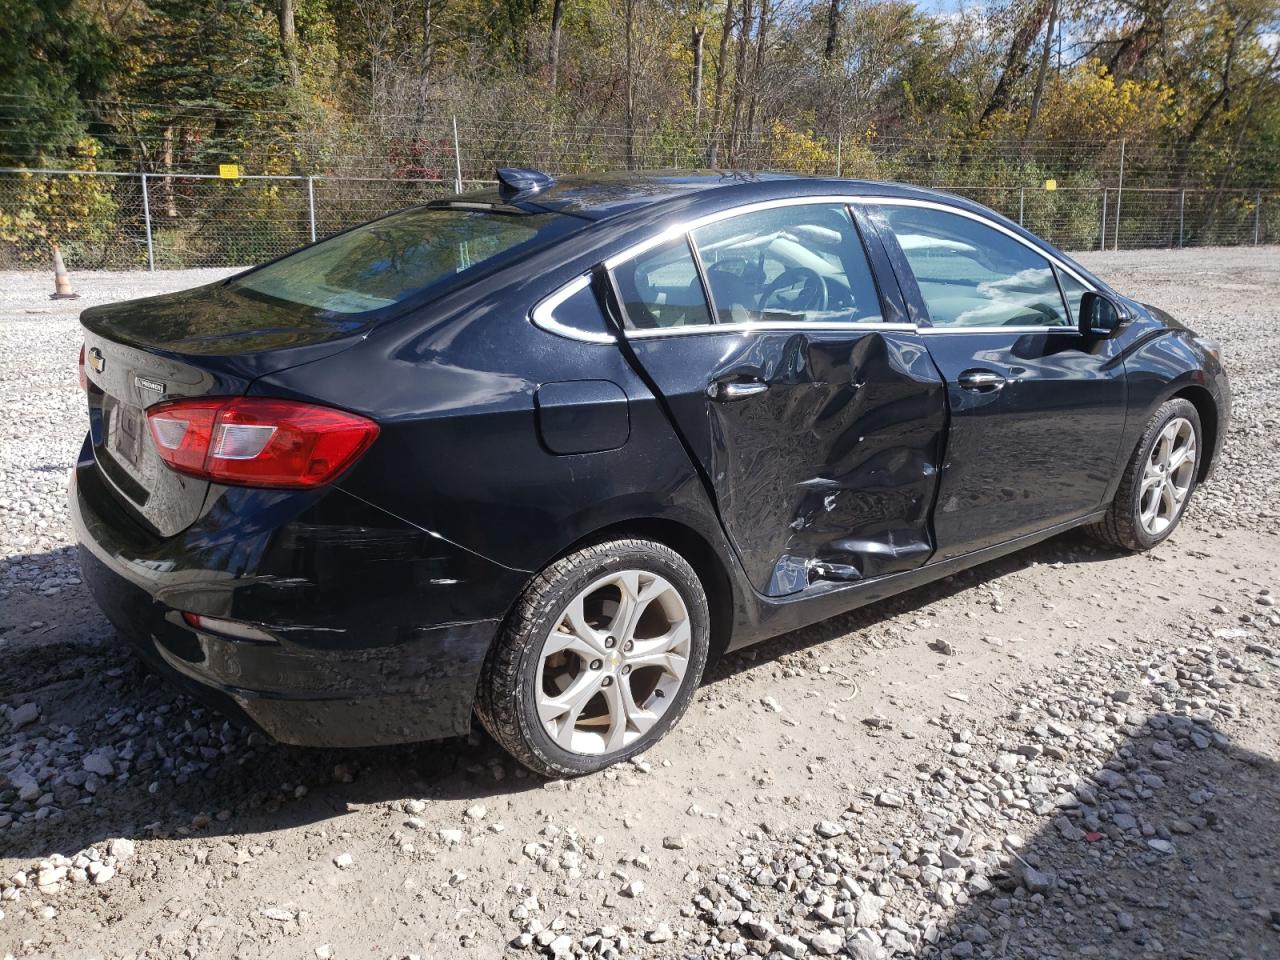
387, 261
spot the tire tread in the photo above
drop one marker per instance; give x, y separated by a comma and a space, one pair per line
1119, 528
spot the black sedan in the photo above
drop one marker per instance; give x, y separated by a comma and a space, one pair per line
536, 454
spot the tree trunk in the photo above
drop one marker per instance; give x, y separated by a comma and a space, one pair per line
1015, 61
1130, 52
166, 184
557, 15
758, 69
289, 41
631, 86
1042, 74
425, 57
697, 38
833, 31
740, 79
722, 70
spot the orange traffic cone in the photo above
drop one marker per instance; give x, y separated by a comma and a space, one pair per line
61, 281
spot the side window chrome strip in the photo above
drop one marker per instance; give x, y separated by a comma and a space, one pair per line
770, 327
543, 314
688, 226
942, 331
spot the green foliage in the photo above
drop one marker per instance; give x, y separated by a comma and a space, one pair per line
53, 57
76, 213
220, 57
890, 89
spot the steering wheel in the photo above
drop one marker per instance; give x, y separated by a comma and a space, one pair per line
1039, 314
811, 295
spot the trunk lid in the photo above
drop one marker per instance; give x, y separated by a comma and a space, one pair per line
204, 342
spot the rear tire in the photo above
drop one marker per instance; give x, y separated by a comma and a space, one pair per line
1158, 481
598, 660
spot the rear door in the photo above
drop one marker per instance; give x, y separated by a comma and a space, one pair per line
1037, 411
816, 419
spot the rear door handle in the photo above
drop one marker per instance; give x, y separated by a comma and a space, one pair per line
981, 381
726, 391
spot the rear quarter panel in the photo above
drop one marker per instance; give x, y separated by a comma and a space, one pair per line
461, 454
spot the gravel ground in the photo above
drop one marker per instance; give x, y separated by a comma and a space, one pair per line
1065, 753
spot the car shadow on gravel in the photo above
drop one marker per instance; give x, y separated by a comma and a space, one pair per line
1071, 548
1168, 848
118, 751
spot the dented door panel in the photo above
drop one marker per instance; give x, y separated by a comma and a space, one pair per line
831, 472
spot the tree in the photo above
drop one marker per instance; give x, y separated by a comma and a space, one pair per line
1043, 72
217, 56
56, 59
697, 42
557, 19
1016, 60
289, 40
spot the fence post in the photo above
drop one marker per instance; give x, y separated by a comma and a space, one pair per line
1022, 203
1119, 194
1182, 209
457, 159
1102, 240
146, 219
1257, 216
840, 154
311, 205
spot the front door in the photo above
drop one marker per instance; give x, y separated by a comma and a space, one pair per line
1037, 411
816, 423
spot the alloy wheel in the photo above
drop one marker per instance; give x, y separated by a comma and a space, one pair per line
613, 663
1167, 476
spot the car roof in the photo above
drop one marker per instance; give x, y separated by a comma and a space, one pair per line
651, 194
607, 195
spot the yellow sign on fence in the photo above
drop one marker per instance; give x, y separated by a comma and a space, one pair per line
1051, 184
229, 171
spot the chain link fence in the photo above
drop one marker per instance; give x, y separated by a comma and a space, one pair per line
104, 220
151, 221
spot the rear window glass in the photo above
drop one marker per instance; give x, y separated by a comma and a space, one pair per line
382, 263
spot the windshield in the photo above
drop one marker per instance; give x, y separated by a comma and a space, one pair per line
389, 260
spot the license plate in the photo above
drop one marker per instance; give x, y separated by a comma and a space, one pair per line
128, 433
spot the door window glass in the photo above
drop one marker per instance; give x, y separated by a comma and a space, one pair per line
971, 275
1074, 291
801, 263
661, 288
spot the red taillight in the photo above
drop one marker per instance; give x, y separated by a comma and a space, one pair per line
84, 377
258, 442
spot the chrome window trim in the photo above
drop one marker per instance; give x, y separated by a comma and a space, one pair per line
1029, 328
688, 226
543, 314
768, 327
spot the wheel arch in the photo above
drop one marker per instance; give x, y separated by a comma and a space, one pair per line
1207, 407
695, 548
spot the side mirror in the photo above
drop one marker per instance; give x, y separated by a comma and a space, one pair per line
1100, 316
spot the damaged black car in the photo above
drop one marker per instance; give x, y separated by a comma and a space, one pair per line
536, 454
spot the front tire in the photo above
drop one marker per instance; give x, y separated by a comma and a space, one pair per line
598, 660
1158, 480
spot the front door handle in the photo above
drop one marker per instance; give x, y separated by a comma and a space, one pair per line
981, 381
726, 391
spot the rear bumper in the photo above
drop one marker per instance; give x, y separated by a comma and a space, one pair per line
371, 647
